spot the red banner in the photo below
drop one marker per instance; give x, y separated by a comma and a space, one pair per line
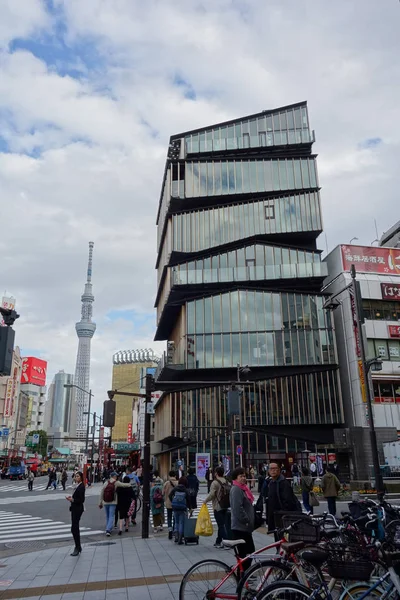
34, 371
370, 259
129, 438
394, 331
390, 291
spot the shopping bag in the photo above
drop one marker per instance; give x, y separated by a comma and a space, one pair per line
203, 523
312, 499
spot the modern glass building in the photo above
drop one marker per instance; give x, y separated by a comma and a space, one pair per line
239, 284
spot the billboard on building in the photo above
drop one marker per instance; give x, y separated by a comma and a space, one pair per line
390, 291
371, 259
34, 371
394, 331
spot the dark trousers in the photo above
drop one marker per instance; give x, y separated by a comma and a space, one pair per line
116, 517
63, 484
306, 502
76, 514
209, 482
170, 514
331, 505
244, 549
223, 522
30, 485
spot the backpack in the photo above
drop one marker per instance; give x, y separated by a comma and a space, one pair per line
223, 494
109, 492
158, 497
179, 501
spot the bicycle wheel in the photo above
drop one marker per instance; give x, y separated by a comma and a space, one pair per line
287, 590
138, 503
202, 578
261, 574
359, 589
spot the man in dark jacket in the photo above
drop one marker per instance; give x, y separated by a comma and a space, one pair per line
280, 496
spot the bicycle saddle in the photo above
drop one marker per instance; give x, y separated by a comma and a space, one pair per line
314, 556
232, 543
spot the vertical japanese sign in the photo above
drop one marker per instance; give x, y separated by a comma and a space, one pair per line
129, 436
8, 401
101, 445
357, 338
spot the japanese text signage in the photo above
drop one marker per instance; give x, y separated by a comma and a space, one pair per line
390, 291
129, 440
8, 402
34, 371
370, 259
394, 331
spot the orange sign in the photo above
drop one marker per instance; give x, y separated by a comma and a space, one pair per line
362, 381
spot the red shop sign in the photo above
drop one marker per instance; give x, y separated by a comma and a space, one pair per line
390, 291
371, 259
394, 331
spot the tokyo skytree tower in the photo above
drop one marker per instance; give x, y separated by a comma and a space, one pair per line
85, 330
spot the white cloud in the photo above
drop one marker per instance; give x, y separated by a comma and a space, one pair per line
96, 119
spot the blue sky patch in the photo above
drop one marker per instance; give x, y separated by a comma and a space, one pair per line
371, 143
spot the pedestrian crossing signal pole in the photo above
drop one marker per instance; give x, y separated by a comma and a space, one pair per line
146, 459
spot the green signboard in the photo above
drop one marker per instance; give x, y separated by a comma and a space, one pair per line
126, 447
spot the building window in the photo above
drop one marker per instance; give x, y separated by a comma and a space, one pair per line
381, 310
269, 208
385, 349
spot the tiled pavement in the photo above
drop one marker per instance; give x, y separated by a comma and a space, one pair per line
129, 568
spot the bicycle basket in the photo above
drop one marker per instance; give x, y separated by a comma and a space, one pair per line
357, 571
303, 529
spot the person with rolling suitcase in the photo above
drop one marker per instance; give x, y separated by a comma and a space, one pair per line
180, 501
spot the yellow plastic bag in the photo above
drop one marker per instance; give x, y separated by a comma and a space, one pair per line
203, 523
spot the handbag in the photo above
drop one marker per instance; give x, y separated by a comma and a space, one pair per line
312, 499
203, 524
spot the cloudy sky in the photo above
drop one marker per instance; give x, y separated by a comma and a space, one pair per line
90, 91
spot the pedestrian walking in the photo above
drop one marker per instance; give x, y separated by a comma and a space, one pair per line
242, 514
108, 499
209, 478
124, 500
306, 483
77, 507
157, 503
330, 485
179, 497
52, 483
220, 497
252, 475
193, 489
280, 496
64, 477
31, 478
58, 477
169, 485
295, 474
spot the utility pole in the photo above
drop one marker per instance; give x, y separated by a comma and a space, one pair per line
146, 459
93, 434
87, 424
366, 365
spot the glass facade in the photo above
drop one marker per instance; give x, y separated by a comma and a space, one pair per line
385, 349
219, 178
278, 128
202, 229
381, 310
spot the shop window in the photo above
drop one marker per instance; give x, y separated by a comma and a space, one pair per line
269, 208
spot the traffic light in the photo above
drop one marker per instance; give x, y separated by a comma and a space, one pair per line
7, 335
109, 413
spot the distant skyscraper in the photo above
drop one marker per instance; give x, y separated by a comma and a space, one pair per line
60, 410
85, 330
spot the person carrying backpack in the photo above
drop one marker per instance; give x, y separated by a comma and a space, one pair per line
180, 501
108, 499
169, 485
219, 496
157, 505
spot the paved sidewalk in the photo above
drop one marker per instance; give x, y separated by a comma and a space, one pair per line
127, 568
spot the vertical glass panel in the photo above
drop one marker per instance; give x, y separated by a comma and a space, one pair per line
246, 140
217, 351
259, 311
208, 351
224, 178
245, 224
207, 315
210, 179
253, 127
269, 321
231, 177
297, 118
277, 310
235, 311
290, 119
297, 174
313, 173
202, 138
304, 118
285, 312
303, 360
199, 316
295, 348
283, 175
199, 350
195, 142
305, 174
217, 178
243, 310
275, 175
226, 341
283, 120
291, 137
196, 180
279, 348
226, 312
255, 350
267, 176
217, 322
277, 125
253, 176
239, 179
203, 179
246, 176
245, 359
290, 174
236, 359
269, 123
287, 348
262, 136
251, 312
190, 317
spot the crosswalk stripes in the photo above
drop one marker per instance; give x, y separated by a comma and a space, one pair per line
16, 527
23, 486
32, 497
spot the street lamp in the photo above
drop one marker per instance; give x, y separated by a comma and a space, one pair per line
73, 385
93, 429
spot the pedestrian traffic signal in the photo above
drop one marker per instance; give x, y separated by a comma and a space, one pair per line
109, 413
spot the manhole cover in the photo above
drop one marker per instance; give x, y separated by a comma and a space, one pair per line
102, 544
31, 546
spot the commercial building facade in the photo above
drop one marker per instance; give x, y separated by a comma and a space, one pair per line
239, 284
378, 271
60, 413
